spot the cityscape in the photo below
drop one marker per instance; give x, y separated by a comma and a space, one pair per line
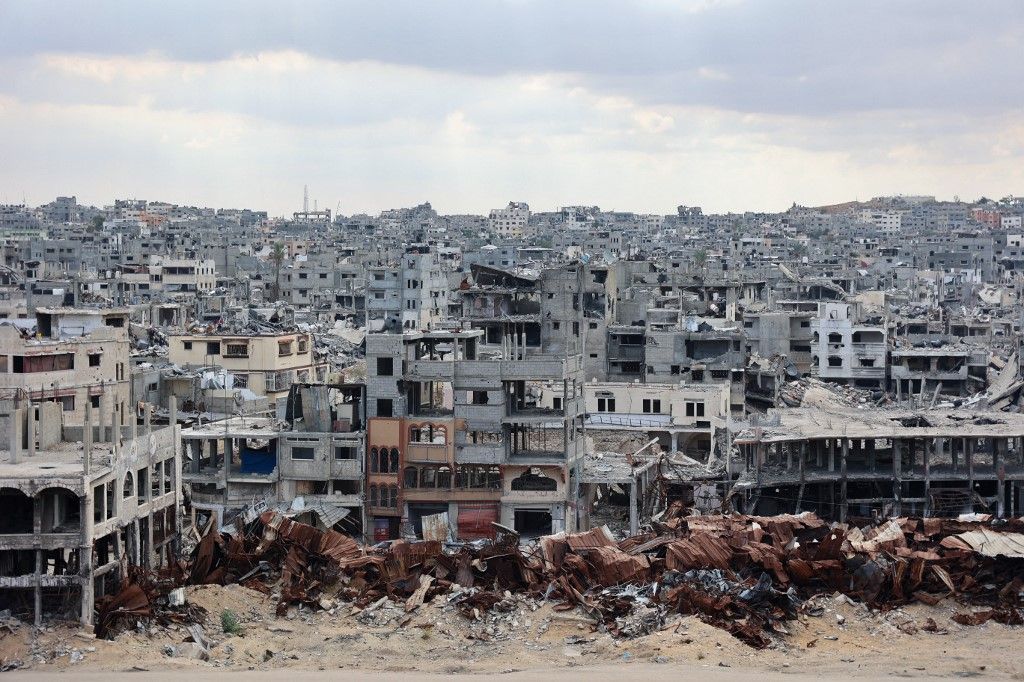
502, 437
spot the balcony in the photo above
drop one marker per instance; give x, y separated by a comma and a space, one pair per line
430, 370
426, 452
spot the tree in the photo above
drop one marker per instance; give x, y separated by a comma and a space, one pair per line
277, 258
700, 258
96, 224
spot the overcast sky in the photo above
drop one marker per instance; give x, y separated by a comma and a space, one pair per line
729, 105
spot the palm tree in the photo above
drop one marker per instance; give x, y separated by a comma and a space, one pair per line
277, 257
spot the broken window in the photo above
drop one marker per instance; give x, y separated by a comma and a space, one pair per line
385, 367
534, 481
835, 361
304, 453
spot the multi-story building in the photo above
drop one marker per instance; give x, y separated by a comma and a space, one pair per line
454, 428
81, 503
846, 348
511, 221
266, 364
73, 356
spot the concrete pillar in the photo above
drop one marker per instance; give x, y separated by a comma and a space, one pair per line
85, 551
897, 479
634, 520
147, 417
937, 445
133, 423
33, 429
37, 529
106, 404
17, 418
998, 444
844, 505
969, 461
87, 445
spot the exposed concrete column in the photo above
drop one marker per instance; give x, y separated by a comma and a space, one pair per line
37, 529
843, 504
133, 423
87, 447
85, 574
106, 401
17, 417
969, 460
937, 444
897, 481
831, 454
634, 521
674, 439
33, 429
997, 464
147, 417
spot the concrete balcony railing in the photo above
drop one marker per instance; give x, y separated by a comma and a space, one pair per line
443, 370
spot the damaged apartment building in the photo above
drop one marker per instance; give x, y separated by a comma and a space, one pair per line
455, 423
81, 502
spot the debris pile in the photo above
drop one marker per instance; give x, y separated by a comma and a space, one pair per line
811, 392
746, 575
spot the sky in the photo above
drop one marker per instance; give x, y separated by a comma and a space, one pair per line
731, 105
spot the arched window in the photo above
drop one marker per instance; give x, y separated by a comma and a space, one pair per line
439, 435
444, 477
428, 477
393, 465
411, 477
129, 486
374, 461
414, 434
373, 495
393, 498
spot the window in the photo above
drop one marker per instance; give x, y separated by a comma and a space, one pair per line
556, 325
142, 478
409, 479
128, 489
284, 348
651, 406
556, 403
236, 350
241, 381
374, 461
385, 367
478, 397
835, 361
384, 407
94, 400
694, 409
344, 452
42, 363
606, 404
213, 347
187, 345
94, 359
304, 453
393, 461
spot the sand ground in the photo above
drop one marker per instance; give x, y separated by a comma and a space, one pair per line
845, 640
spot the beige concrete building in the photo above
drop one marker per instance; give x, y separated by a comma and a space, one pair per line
73, 357
266, 364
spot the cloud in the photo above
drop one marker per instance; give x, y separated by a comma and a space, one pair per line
645, 105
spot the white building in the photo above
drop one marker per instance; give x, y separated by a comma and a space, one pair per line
510, 221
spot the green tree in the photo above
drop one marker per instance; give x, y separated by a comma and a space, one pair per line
277, 258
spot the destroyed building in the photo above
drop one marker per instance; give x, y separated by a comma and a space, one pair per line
81, 503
